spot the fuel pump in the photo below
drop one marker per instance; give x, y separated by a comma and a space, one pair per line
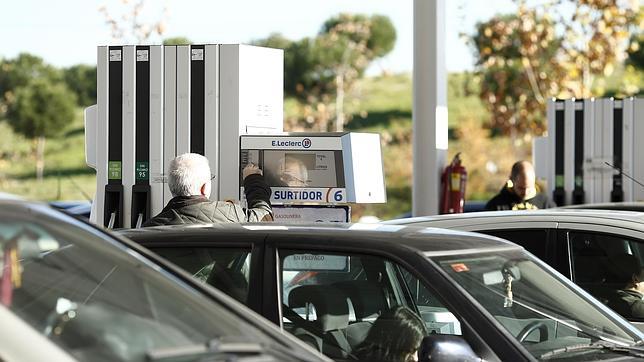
453, 183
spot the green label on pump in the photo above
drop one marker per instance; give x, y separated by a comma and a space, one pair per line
142, 171
114, 170
559, 181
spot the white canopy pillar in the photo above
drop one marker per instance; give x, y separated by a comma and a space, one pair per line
430, 105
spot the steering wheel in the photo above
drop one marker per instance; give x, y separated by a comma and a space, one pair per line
541, 326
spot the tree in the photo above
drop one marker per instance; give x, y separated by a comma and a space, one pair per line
40, 109
18, 72
527, 57
636, 47
81, 79
320, 70
516, 57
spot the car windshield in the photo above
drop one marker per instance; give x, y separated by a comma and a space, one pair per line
98, 299
541, 310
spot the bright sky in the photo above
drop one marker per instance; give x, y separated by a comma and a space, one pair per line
67, 32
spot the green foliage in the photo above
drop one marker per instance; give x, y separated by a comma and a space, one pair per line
81, 79
178, 40
18, 72
319, 69
636, 52
553, 49
514, 59
41, 108
383, 36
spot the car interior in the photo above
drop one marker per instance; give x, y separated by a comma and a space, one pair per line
94, 301
332, 304
598, 265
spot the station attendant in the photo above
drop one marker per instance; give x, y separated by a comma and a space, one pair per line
520, 191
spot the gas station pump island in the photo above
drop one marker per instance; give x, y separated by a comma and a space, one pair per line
224, 101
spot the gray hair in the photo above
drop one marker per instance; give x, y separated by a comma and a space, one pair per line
187, 173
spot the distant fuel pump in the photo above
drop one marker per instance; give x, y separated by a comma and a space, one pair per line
453, 182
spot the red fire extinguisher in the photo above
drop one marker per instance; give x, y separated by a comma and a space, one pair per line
453, 183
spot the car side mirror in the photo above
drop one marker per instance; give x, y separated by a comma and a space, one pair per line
445, 347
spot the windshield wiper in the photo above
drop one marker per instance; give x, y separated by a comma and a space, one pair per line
224, 345
637, 352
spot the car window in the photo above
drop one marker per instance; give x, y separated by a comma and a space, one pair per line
539, 308
436, 316
331, 301
227, 269
533, 240
600, 266
98, 299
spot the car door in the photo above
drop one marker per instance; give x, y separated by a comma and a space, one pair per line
597, 254
331, 298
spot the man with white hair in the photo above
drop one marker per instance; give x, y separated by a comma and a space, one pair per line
190, 183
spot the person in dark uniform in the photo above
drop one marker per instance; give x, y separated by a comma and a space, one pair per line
628, 301
190, 183
520, 191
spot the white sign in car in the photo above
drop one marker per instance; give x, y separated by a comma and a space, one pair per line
319, 262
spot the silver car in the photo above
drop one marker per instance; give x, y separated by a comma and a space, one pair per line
587, 246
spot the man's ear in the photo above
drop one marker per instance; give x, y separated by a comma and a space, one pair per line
203, 190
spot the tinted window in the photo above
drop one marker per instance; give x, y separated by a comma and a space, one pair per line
227, 269
533, 240
96, 298
606, 265
332, 301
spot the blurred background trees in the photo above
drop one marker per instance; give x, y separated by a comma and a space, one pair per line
319, 71
552, 49
531, 52
36, 101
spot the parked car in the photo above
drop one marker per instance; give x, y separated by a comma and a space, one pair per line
74, 292
622, 206
81, 209
586, 246
327, 284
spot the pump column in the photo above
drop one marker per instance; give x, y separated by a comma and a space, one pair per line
169, 113
589, 179
627, 150
556, 126
113, 205
197, 99
578, 193
617, 193
638, 149
141, 188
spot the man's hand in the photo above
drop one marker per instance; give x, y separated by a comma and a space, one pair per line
251, 169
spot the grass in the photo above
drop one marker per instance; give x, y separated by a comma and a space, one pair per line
66, 176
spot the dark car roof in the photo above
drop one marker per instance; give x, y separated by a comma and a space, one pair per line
424, 239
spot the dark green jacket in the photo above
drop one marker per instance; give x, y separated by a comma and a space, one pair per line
628, 303
200, 210
506, 199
